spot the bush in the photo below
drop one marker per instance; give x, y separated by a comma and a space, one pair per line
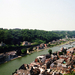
30, 49
50, 51
24, 51
60, 53
48, 45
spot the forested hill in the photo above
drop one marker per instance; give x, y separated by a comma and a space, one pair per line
16, 36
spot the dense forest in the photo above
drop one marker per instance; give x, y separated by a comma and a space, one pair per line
16, 36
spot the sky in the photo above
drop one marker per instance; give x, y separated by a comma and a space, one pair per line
38, 14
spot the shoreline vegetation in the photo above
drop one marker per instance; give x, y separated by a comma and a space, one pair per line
12, 39
67, 42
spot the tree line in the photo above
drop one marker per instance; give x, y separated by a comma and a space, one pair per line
16, 36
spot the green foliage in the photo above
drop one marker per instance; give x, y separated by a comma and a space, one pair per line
72, 73
48, 45
74, 54
50, 51
64, 51
30, 49
24, 51
51, 45
14, 37
60, 53
38, 41
69, 47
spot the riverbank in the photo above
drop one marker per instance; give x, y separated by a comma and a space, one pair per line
67, 42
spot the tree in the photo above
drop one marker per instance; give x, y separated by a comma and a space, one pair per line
60, 53
50, 51
48, 45
18, 52
24, 51
30, 49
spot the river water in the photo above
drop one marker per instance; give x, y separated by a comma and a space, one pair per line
9, 67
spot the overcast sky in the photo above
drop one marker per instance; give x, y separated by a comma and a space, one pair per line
38, 14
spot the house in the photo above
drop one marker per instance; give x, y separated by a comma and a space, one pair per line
41, 46
73, 69
34, 65
38, 47
57, 65
26, 43
22, 72
2, 44
47, 63
49, 43
54, 57
34, 48
70, 51
63, 57
73, 57
11, 54
2, 57
53, 41
45, 45
28, 51
41, 58
67, 70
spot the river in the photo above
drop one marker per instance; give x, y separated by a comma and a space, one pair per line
9, 67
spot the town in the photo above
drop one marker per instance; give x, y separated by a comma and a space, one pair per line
56, 63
